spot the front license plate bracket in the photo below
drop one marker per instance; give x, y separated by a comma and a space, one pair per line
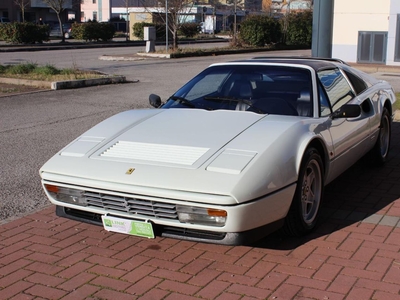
128, 226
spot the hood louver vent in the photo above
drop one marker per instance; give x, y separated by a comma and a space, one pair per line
182, 155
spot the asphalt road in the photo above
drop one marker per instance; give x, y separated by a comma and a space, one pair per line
33, 127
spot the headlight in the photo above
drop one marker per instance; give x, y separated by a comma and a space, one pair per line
201, 216
67, 195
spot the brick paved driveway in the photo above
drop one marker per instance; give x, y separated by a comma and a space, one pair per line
354, 254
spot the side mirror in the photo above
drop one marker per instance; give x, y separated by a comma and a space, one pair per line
155, 100
347, 111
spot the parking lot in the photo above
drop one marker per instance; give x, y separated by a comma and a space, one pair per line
353, 254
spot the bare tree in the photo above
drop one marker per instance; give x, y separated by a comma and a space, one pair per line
177, 12
57, 6
22, 4
237, 5
266, 6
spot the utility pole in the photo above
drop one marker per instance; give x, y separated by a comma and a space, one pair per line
322, 28
166, 26
234, 20
127, 19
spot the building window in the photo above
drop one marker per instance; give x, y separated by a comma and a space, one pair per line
372, 46
94, 1
95, 16
397, 45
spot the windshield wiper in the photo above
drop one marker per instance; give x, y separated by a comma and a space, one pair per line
183, 101
238, 100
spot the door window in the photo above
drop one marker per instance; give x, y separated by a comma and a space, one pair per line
337, 88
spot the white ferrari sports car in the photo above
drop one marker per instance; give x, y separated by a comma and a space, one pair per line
241, 150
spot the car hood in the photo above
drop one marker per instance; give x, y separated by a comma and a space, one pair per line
175, 137
183, 150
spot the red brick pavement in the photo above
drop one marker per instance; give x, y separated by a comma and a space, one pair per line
353, 254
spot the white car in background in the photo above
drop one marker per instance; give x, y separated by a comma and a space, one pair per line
242, 149
67, 30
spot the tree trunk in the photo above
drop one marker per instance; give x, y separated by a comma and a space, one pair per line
175, 39
61, 28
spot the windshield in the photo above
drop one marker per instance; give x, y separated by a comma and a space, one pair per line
258, 88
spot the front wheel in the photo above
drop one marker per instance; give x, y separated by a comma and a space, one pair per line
304, 210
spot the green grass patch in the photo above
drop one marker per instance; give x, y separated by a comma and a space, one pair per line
397, 103
45, 73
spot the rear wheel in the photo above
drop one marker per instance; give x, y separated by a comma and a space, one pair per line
381, 149
304, 210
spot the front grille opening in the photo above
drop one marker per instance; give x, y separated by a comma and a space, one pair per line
192, 233
131, 205
80, 215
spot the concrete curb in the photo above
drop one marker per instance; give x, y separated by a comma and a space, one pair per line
157, 55
121, 58
73, 84
68, 84
375, 68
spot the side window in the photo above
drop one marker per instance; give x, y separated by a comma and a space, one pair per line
336, 87
358, 84
324, 107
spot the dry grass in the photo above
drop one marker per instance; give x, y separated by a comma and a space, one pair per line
55, 77
7, 89
32, 71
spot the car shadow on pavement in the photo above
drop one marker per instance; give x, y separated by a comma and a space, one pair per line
364, 194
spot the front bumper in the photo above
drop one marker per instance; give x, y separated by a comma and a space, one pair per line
245, 223
194, 235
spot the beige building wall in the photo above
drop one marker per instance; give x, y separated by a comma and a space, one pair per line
138, 17
350, 17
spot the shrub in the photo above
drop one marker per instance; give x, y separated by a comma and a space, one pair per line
189, 29
299, 28
93, 31
107, 31
138, 30
24, 33
260, 30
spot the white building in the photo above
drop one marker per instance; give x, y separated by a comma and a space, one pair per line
367, 31
99, 10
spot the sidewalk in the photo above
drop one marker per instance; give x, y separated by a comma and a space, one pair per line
354, 254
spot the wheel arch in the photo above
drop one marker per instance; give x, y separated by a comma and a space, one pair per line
388, 105
319, 145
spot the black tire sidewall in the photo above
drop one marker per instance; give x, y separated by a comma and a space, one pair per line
294, 223
381, 159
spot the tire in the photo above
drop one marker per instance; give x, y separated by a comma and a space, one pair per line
304, 210
382, 146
